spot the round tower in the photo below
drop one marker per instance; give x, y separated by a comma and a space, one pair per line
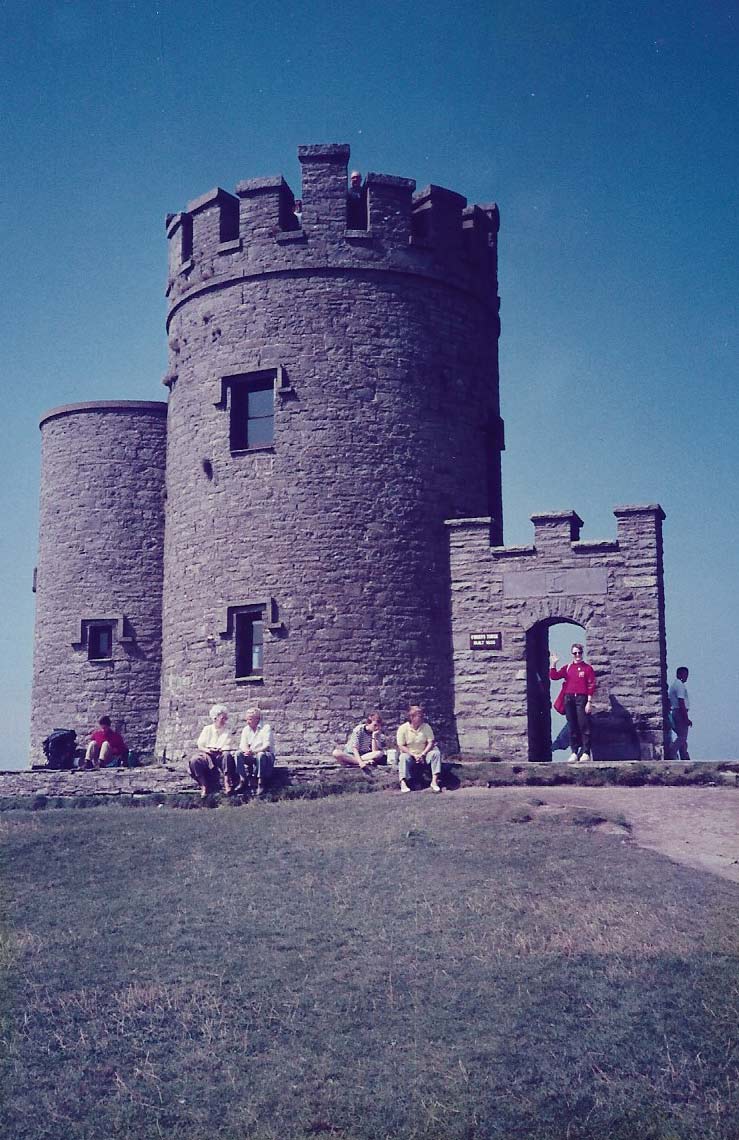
333, 399
98, 583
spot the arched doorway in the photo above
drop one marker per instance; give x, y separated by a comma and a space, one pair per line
544, 724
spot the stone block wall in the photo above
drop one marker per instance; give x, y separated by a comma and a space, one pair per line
100, 559
381, 346
383, 343
613, 589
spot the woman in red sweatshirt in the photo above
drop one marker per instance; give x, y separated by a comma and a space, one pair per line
579, 687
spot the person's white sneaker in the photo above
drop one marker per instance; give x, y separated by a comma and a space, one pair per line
572, 758
404, 787
584, 759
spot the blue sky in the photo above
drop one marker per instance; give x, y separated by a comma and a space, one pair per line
607, 133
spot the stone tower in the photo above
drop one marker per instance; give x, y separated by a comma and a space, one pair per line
98, 582
333, 400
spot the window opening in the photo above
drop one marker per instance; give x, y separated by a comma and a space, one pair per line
249, 637
252, 414
186, 232
100, 642
228, 222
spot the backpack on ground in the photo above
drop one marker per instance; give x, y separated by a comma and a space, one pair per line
59, 748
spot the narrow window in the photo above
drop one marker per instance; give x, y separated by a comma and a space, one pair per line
229, 219
249, 636
252, 413
100, 642
186, 234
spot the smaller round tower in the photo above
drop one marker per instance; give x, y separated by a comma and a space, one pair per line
98, 582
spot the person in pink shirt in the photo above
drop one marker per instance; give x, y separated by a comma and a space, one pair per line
107, 748
578, 690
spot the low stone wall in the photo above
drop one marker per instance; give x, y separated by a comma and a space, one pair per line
172, 784
170, 779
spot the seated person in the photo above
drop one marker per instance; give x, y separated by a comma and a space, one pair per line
214, 755
416, 748
365, 746
256, 755
107, 748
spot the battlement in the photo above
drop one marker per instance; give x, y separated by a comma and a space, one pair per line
557, 537
221, 236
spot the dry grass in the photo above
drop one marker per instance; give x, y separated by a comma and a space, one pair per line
361, 968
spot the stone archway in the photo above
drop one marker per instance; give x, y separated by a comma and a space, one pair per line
539, 690
613, 589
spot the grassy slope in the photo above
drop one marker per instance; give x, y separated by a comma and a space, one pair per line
361, 967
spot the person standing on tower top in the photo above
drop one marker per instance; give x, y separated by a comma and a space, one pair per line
578, 690
356, 203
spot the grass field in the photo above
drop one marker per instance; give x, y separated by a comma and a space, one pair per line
361, 967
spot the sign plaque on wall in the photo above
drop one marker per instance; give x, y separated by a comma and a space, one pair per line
486, 640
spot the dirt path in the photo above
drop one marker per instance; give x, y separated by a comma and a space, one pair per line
695, 826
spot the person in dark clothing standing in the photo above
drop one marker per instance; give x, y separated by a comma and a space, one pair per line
578, 690
356, 203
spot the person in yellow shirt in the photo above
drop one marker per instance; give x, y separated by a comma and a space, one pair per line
416, 748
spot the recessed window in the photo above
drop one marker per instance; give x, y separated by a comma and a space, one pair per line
186, 237
100, 642
249, 639
252, 413
229, 219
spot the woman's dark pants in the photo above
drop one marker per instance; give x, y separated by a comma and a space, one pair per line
210, 778
578, 722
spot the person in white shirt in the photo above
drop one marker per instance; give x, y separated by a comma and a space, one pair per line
679, 705
214, 755
256, 755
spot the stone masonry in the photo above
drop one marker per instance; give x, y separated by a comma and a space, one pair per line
371, 357
100, 561
383, 346
613, 590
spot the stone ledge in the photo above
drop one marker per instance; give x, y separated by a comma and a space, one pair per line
172, 784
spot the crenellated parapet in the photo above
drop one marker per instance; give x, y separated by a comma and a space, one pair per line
221, 237
610, 592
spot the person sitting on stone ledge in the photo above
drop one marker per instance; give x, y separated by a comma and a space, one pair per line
214, 755
417, 750
578, 689
107, 748
255, 759
365, 746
